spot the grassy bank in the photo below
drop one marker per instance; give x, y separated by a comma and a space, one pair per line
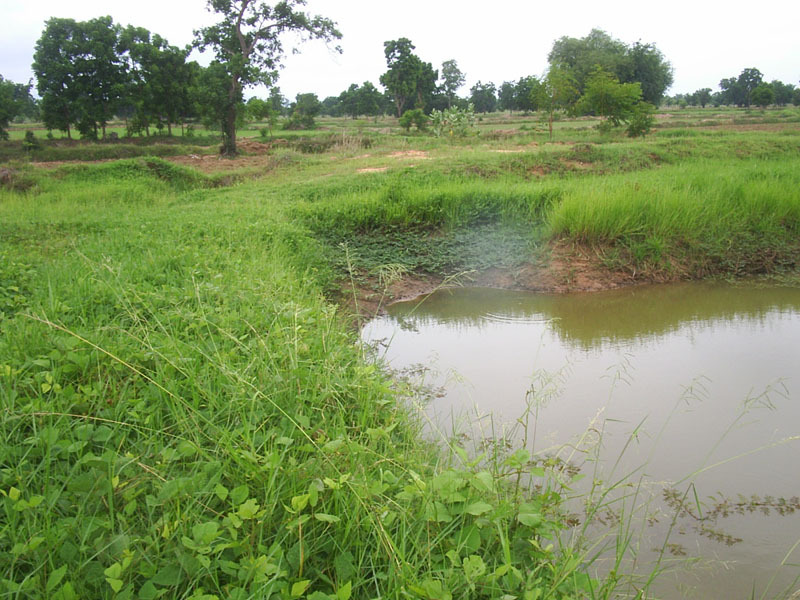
186, 412
183, 415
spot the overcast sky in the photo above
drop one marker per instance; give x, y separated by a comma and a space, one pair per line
491, 41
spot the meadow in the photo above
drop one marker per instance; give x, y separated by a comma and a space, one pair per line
187, 411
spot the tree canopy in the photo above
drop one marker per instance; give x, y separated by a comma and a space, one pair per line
639, 63
248, 45
9, 106
80, 75
408, 80
452, 80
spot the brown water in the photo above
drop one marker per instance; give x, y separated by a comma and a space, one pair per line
671, 385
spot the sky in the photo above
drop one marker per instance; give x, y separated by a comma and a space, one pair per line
494, 41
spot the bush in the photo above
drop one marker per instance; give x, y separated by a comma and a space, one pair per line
453, 121
642, 120
414, 118
30, 143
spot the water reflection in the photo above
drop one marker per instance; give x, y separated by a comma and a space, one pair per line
613, 317
706, 375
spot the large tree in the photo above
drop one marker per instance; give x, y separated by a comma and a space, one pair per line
408, 79
80, 75
160, 77
483, 97
248, 44
642, 63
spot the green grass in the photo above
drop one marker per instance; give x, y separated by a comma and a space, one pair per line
186, 413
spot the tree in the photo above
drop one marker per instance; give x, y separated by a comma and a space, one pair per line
607, 97
783, 92
702, 96
483, 96
408, 79
369, 100
257, 109
651, 70
211, 97
581, 56
348, 101
100, 75
247, 44
732, 92
506, 96
763, 95
277, 101
160, 78
642, 63
9, 106
303, 111
452, 80
749, 79
55, 76
557, 91
526, 94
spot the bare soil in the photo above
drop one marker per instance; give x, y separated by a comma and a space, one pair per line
570, 269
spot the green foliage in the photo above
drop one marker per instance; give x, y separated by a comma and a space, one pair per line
248, 45
605, 96
641, 120
763, 95
185, 416
454, 122
640, 63
408, 80
414, 118
9, 107
483, 96
80, 74
452, 80
303, 111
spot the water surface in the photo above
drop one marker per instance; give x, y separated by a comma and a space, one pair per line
678, 384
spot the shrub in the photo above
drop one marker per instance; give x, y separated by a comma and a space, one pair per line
642, 120
414, 118
453, 121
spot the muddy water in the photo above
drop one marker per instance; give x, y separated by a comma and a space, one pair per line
688, 384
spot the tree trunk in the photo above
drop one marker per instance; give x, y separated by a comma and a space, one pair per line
169, 129
229, 121
229, 132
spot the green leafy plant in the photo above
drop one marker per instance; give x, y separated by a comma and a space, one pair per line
453, 121
414, 118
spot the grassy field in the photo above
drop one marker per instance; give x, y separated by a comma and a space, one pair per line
187, 413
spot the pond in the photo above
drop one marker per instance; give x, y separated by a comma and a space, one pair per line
693, 387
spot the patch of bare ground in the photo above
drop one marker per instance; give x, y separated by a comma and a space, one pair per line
419, 154
372, 170
569, 269
213, 163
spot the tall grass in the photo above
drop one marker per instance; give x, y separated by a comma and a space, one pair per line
721, 216
183, 415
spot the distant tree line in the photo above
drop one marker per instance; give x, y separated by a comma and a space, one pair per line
586, 75
89, 72
746, 90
